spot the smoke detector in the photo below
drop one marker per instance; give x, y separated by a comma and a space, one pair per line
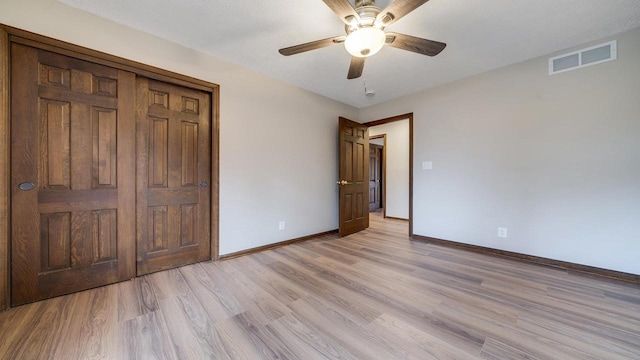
368, 92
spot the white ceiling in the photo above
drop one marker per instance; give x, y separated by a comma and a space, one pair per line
481, 35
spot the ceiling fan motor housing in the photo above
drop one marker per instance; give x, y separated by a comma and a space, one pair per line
360, 3
367, 11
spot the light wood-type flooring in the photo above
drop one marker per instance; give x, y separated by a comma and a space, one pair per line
371, 295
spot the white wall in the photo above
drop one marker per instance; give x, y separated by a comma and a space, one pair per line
397, 151
278, 143
555, 159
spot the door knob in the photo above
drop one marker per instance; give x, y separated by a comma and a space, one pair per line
204, 183
342, 182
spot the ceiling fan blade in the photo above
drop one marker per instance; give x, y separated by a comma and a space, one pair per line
318, 44
397, 9
344, 10
356, 67
415, 44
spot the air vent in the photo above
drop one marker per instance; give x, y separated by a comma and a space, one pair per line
585, 57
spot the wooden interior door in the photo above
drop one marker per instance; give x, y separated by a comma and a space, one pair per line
72, 175
172, 175
375, 175
354, 175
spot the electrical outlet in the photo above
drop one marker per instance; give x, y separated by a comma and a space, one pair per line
281, 225
427, 165
502, 232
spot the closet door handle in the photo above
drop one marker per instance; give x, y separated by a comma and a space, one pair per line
26, 186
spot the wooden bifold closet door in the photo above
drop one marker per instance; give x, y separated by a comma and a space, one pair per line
110, 175
72, 175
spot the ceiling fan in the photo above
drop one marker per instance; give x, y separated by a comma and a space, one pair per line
365, 26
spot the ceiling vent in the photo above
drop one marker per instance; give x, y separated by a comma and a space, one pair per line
585, 57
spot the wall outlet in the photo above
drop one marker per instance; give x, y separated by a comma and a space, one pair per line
502, 232
281, 225
427, 165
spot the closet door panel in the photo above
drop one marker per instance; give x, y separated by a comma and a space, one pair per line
173, 175
72, 175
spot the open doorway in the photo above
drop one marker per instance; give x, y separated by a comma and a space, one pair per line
395, 136
376, 173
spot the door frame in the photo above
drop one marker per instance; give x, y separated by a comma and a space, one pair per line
10, 35
5, 146
407, 116
383, 190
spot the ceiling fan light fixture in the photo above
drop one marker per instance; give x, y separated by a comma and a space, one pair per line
365, 41
364, 24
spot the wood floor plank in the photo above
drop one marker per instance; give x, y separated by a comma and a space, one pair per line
168, 284
414, 311
601, 345
432, 346
23, 317
189, 325
307, 341
534, 346
145, 337
269, 280
375, 294
350, 335
265, 343
588, 319
381, 261
136, 298
601, 309
358, 310
89, 334
296, 257
496, 350
218, 301
338, 256
263, 305
384, 288
41, 338
233, 342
